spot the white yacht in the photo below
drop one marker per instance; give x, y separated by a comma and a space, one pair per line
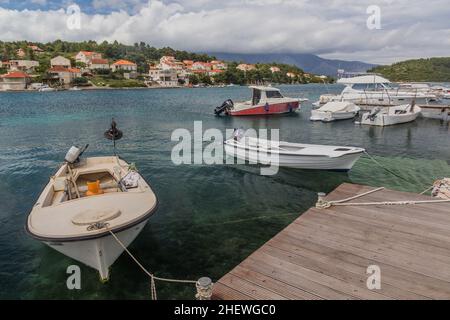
376, 90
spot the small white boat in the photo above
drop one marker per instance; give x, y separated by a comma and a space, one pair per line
75, 89
86, 199
46, 88
293, 155
338, 110
390, 115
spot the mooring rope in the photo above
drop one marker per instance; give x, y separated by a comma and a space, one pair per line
323, 204
395, 174
151, 275
383, 167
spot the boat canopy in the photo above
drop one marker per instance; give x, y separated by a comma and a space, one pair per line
368, 79
335, 106
262, 88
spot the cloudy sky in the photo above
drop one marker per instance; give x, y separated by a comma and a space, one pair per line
330, 28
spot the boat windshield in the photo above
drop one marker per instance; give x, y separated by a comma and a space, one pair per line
256, 96
371, 86
273, 94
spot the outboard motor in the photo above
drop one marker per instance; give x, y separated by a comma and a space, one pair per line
74, 154
225, 107
373, 113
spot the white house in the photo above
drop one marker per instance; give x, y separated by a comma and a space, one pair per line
86, 57
218, 65
14, 80
23, 65
201, 66
124, 65
275, 69
60, 61
291, 75
64, 75
98, 64
246, 67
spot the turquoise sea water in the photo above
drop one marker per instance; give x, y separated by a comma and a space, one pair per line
210, 217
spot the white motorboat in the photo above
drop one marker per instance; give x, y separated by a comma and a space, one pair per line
336, 110
75, 89
293, 155
376, 90
84, 201
265, 101
390, 115
46, 88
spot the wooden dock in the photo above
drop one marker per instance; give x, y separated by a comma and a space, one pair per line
325, 253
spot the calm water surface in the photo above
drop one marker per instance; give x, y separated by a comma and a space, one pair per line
210, 217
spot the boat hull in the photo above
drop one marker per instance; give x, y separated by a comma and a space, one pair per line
436, 112
342, 163
276, 108
388, 120
98, 253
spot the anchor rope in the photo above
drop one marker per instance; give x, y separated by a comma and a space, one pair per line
151, 275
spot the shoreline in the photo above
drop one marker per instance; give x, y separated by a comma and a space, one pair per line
139, 88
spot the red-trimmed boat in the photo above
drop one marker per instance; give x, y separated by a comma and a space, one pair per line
265, 100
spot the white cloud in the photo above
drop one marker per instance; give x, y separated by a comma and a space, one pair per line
332, 28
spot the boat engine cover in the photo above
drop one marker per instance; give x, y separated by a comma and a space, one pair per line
90, 216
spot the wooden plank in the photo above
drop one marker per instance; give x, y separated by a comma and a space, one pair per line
377, 237
401, 278
223, 292
344, 271
397, 259
250, 289
270, 283
324, 279
272, 267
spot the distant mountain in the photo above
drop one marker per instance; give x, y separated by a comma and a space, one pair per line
308, 62
427, 70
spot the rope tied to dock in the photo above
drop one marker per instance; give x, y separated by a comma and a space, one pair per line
203, 286
323, 204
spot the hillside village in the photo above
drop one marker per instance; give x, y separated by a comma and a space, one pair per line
33, 68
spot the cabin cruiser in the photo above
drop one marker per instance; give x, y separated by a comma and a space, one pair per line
335, 110
390, 115
292, 155
265, 100
86, 200
375, 90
